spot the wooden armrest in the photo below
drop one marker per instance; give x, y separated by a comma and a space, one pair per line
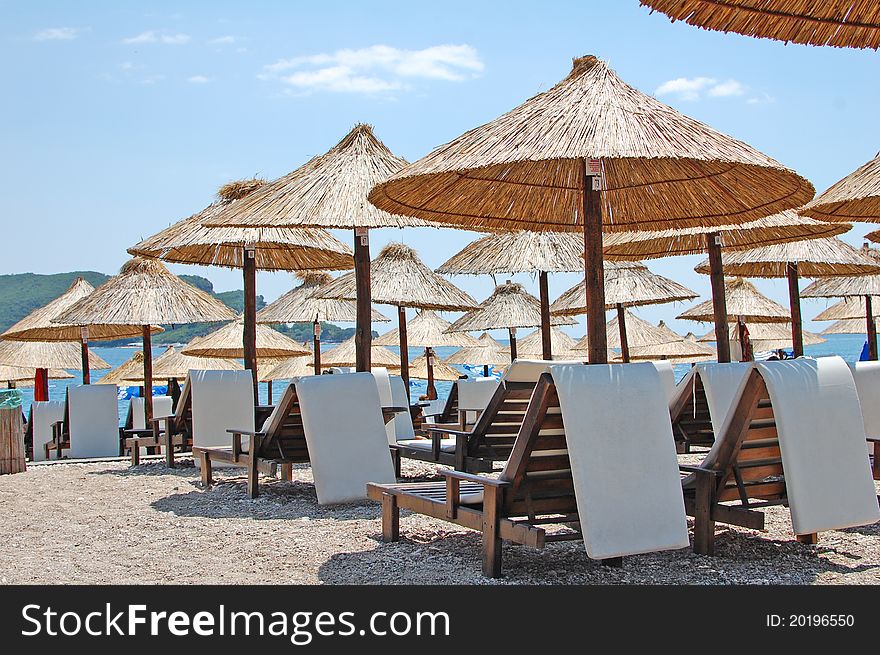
698, 469
396, 409
139, 431
157, 419
466, 433
247, 433
873, 439
471, 477
264, 407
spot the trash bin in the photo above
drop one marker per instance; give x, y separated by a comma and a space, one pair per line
11, 432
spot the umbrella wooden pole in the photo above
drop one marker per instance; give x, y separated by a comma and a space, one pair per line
148, 375
594, 273
719, 299
404, 348
362, 334
485, 370
250, 317
432, 390
794, 301
621, 327
546, 346
872, 329
269, 391
84, 349
316, 344
41, 384
511, 332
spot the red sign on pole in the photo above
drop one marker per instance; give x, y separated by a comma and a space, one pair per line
594, 166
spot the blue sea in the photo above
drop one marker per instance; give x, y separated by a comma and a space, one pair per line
848, 346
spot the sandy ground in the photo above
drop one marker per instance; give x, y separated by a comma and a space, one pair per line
108, 523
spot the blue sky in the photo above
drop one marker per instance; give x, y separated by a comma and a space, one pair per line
121, 118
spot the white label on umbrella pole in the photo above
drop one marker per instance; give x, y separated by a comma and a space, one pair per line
513, 332
594, 167
84, 334
318, 330
718, 241
363, 234
432, 361
597, 182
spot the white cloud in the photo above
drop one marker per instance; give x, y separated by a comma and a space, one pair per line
376, 68
727, 88
223, 40
152, 79
57, 34
692, 88
152, 36
761, 99
198, 79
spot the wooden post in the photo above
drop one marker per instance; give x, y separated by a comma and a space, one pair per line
719, 299
485, 370
404, 348
84, 348
546, 345
429, 357
512, 334
362, 336
872, 329
621, 328
794, 301
148, 375
594, 270
316, 344
41, 384
269, 390
250, 316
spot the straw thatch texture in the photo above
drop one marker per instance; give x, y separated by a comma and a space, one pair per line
743, 299
843, 287
767, 336
344, 355
24, 377
518, 252
838, 23
305, 304
854, 198
145, 293
628, 283
780, 228
848, 326
509, 306
127, 373
873, 236
427, 330
488, 353
815, 258
174, 364
328, 191
287, 369
227, 343
660, 169
398, 277
45, 354
529, 347
849, 308
38, 325
418, 370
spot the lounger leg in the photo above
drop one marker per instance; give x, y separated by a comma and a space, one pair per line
396, 461
169, 450
206, 468
135, 454
812, 539
704, 526
390, 518
491, 535
287, 472
876, 469
253, 481
612, 562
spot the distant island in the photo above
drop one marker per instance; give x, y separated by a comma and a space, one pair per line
22, 293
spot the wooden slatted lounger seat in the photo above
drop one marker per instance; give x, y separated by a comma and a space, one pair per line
691, 420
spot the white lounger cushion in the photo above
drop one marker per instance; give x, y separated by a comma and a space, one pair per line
43, 415
867, 377
161, 407
667, 376
822, 440
93, 411
401, 426
723, 384
347, 448
529, 370
221, 400
446, 445
623, 460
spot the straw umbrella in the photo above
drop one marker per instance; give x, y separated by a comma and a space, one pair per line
654, 341
418, 370
847, 326
509, 307
814, 258
531, 346
873, 236
849, 309
226, 342
345, 354
24, 377
778, 228
398, 277
767, 336
128, 372
38, 326
292, 367
627, 284
265, 248
522, 252
303, 304
838, 23
47, 355
146, 293
592, 154
855, 198
488, 353
331, 191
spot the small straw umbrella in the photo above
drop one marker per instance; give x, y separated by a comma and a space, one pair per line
38, 326
264, 248
849, 309
531, 346
330, 191
226, 342
873, 236
429, 331
814, 258
146, 293
651, 342
398, 277
855, 198
847, 326
47, 355
271, 370
779, 228
16, 376
345, 354
837, 23
627, 284
488, 353
509, 307
418, 370
128, 372
522, 252
592, 154
303, 304
767, 336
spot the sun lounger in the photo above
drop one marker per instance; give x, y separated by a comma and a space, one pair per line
90, 425
43, 415
867, 377
582, 456
443, 412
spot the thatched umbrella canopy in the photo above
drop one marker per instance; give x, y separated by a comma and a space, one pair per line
488, 353
849, 309
16, 376
873, 236
226, 342
331, 191
127, 373
813, 258
287, 369
592, 154
422, 369
173, 364
743, 301
146, 293
398, 277
38, 326
855, 198
304, 304
539, 253
345, 355
838, 23
47, 355
530, 346
509, 306
766, 336
848, 326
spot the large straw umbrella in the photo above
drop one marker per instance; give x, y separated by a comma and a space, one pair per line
331, 191
652, 342
627, 284
16, 376
303, 304
265, 248
419, 370
838, 23
539, 253
531, 346
38, 326
847, 326
146, 293
226, 342
488, 353
592, 154
428, 331
814, 258
345, 354
778, 228
292, 367
509, 307
398, 277
47, 355
855, 198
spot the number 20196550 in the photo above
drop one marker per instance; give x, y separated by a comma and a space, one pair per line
810, 621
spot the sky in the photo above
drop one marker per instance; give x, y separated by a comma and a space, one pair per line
119, 119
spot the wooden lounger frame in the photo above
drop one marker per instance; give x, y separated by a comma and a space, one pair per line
691, 421
177, 431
